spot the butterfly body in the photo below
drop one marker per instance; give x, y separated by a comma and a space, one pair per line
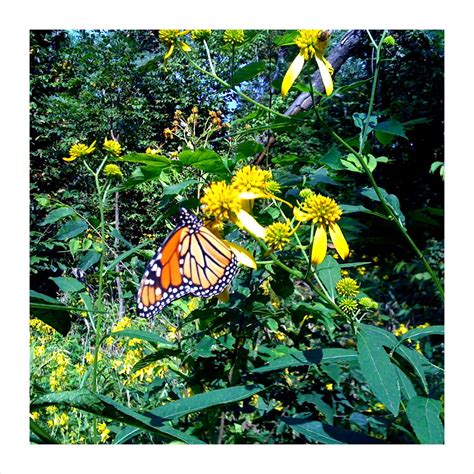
191, 260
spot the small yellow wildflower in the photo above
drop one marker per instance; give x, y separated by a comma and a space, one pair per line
324, 212
402, 329
80, 369
200, 35
78, 150
312, 44
39, 351
172, 38
103, 431
34, 415
234, 37
153, 151
418, 347
348, 305
347, 287
112, 147
168, 133
51, 409
122, 324
280, 336
254, 400
344, 272
368, 303
278, 235
112, 170
329, 387
422, 326
279, 406
361, 270
89, 357
379, 406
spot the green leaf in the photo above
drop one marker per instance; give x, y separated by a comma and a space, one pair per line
205, 160
286, 39
71, 229
175, 189
423, 415
417, 361
360, 120
315, 356
54, 314
204, 347
248, 72
144, 336
380, 336
57, 214
104, 406
147, 159
42, 436
391, 127
249, 148
332, 159
68, 284
142, 175
327, 434
205, 400
349, 209
329, 271
419, 333
378, 371
317, 400
406, 387
91, 257
391, 199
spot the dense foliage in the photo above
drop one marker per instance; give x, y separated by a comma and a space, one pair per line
315, 341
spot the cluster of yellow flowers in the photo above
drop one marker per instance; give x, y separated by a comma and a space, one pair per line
348, 289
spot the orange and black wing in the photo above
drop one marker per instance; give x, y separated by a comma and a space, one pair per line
191, 260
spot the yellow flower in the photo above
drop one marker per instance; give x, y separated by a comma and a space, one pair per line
422, 326
172, 38
402, 329
78, 150
347, 287
324, 212
368, 303
234, 37
329, 387
348, 305
279, 336
279, 406
113, 171
253, 182
153, 151
278, 235
312, 44
89, 357
103, 431
122, 324
200, 35
222, 202
418, 347
112, 147
39, 351
34, 415
254, 400
168, 133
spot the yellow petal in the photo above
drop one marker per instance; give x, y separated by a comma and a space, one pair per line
251, 195
301, 215
292, 74
338, 240
248, 222
320, 245
325, 75
69, 158
185, 47
169, 52
243, 255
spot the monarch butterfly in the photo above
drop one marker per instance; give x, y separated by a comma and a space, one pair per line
191, 260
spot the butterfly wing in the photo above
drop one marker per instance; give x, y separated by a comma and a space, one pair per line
162, 281
192, 260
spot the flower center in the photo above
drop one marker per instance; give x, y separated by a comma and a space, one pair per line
221, 201
323, 210
311, 42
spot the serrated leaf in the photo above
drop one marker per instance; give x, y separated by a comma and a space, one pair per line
423, 415
378, 370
